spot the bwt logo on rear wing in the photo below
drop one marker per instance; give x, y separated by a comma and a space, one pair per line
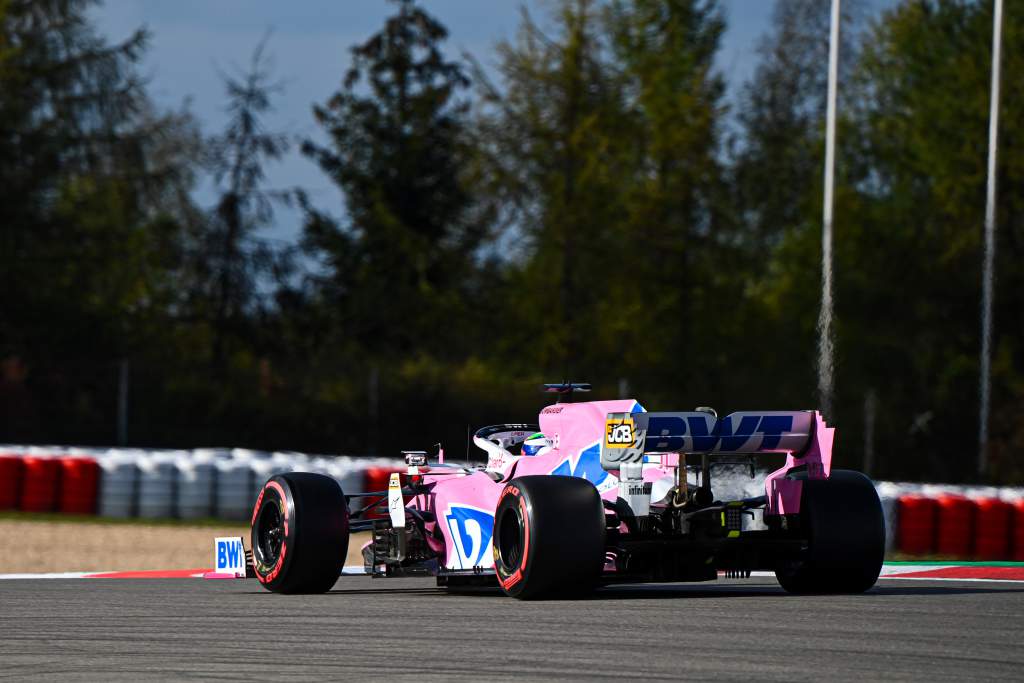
629, 435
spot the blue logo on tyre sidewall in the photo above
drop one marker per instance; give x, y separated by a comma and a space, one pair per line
471, 530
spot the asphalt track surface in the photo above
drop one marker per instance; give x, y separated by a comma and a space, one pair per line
407, 629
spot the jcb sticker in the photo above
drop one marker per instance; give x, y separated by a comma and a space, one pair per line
619, 433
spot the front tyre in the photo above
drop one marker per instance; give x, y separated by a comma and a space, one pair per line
299, 533
548, 536
843, 520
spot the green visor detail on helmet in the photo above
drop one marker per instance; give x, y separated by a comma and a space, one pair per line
534, 444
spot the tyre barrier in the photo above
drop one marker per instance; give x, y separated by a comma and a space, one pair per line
890, 513
119, 484
39, 484
196, 486
377, 478
992, 528
1017, 550
79, 485
985, 525
150, 484
157, 485
916, 524
234, 489
921, 519
10, 480
266, 466
954, 526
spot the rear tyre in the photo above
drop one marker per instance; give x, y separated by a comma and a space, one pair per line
299, 533
548, 537
842, 517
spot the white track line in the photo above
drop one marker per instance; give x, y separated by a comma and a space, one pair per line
52, 575
82, 575
887, 573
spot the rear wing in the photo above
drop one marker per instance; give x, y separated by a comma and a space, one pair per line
628, 436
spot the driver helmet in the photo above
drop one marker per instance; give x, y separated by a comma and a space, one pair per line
537, 444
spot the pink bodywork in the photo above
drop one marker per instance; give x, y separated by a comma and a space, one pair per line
784, 494
463, 502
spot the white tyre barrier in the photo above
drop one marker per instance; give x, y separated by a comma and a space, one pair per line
316, 464
119, 480
210, 454
349, 475
157, 483
889, 495
889, 508
196, 489
265, 468
246, 455
234, 489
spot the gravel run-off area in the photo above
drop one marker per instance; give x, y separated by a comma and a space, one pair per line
74, 545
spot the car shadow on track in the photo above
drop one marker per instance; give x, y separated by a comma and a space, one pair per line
656, 592
672, 591
619, 592
370, 591
664, 592
386, 591
682, 592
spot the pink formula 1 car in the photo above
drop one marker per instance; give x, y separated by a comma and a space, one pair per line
599, 492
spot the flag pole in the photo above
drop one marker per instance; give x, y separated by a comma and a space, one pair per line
825, 333
988, 270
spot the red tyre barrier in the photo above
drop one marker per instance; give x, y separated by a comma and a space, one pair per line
10, 480
992, 529
1017, 551
39, 485
79, 485
916, 523
955, 524
377, 479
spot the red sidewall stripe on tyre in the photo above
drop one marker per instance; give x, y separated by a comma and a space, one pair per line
517, 575
272, 574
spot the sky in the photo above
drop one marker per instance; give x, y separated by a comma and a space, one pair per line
193, 42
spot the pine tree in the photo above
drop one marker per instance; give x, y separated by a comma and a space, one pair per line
911, 268
395, 271
676, 223
232, 254
560, 160
93, 191
604, 135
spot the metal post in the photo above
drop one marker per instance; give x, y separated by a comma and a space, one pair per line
122, 403
373, 408
825, 343
870, 408
988, 271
